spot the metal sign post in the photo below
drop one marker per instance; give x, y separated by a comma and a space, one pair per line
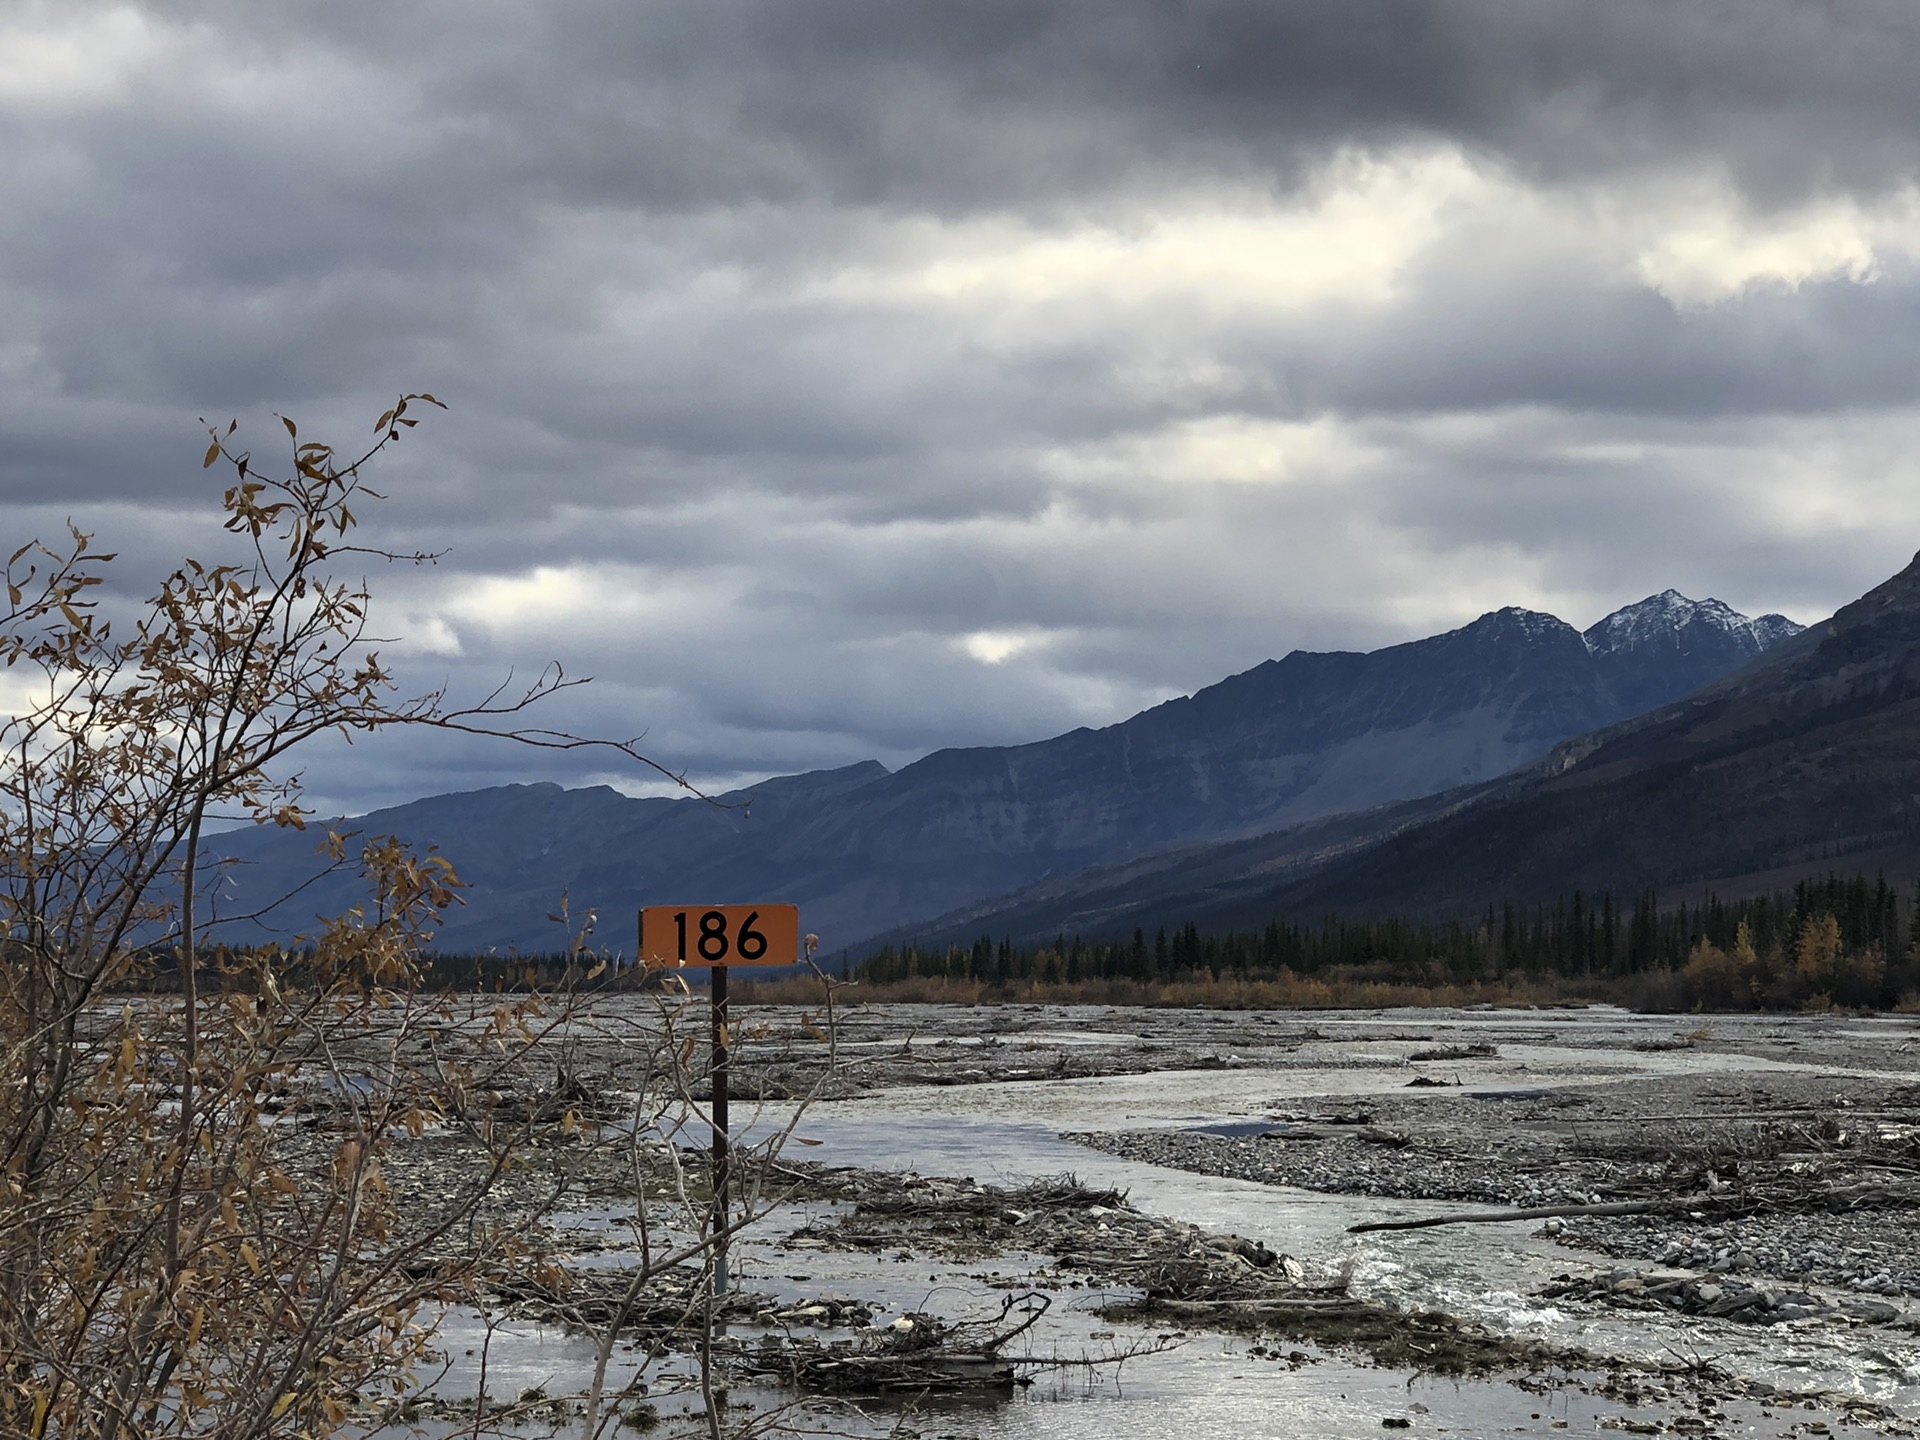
722, 1152
715, 938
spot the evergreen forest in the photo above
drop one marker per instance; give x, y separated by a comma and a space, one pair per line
1830, 942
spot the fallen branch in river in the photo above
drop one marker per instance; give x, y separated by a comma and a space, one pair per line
1777, 1195
1323, 1304
1538, 1212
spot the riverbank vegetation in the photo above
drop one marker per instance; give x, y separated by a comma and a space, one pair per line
212, 1220
1837, 942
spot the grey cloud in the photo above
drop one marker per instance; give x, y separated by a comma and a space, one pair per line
952, 109
892, 102
610, 235
864, 100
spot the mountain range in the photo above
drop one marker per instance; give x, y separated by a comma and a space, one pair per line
1803, 761
1293, 756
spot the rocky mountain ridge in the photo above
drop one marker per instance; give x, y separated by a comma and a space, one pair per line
1671, 618
1804, 761
1289, 742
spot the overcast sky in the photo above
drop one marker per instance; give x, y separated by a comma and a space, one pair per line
848, 378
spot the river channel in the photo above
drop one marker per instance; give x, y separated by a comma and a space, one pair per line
1010, 1132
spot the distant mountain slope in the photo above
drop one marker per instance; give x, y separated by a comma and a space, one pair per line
1169, 887
519, 848
1804, 758
1811, 756
1290, 741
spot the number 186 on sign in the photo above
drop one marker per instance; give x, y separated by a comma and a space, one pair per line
676, 936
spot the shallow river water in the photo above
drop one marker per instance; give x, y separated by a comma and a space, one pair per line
1213, 1385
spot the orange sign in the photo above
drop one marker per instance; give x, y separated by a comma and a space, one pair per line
673, 937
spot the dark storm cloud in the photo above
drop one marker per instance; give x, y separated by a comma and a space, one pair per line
854, 377
866, 101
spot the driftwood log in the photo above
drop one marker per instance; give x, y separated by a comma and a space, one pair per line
883, 1374
1890, 1189
1315, 1304
1538, 1212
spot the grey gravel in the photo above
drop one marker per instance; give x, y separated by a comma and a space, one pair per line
1658, 1136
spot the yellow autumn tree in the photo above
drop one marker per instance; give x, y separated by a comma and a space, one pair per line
173, 1260
1832, 976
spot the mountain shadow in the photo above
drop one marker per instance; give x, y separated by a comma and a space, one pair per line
861, 850
1804, 759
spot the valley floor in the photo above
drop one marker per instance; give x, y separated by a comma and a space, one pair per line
1200, 1272
1776, 1160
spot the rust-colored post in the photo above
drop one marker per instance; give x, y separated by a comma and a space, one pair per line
722, 1159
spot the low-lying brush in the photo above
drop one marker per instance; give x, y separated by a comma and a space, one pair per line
1285, 991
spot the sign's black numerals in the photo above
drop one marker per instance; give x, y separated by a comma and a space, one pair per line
680, 936
714, 945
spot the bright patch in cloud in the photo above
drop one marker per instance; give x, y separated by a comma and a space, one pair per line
430, 635
649, 785
1218, 449
1348, 236
50, 61
996, 647
1720, 248
571, 598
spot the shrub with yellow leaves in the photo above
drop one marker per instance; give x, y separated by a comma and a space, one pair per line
180, 1251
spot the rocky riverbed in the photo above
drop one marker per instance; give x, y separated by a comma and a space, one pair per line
1797, 1179
1223, 1155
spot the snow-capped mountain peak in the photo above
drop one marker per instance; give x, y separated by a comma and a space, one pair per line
1514, 622
1638, 647
1670, 620
1772, 629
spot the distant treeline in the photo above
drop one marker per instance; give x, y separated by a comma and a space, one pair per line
1833, 941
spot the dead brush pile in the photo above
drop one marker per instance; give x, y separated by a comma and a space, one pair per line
1161, 1273
961, 1217
1093, 1233
918, 1197
1834, 1163
672, 1301
915, 1354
